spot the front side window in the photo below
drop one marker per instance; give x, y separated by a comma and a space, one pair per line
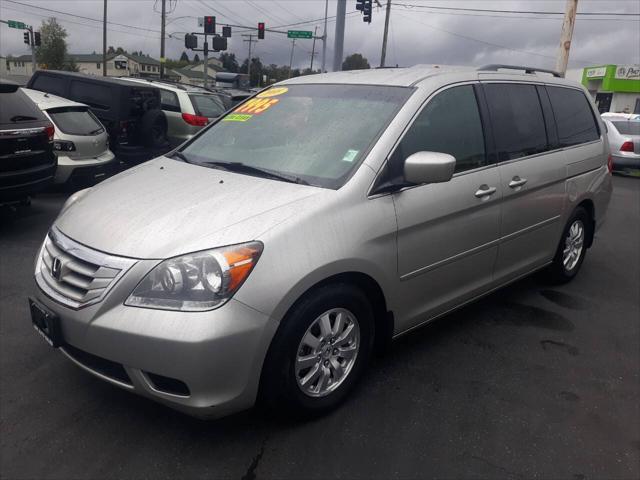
450, 123
315, 133
574, 117
516, 116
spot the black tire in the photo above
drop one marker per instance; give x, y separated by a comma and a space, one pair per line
153, 128
558, 272
279, 389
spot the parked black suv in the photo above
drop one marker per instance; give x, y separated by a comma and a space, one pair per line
131, 112
27, 161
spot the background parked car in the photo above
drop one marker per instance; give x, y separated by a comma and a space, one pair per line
131, 113
80, 141
624, 139
187, 108
27, 162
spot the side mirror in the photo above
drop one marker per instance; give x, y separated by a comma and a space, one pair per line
429, 167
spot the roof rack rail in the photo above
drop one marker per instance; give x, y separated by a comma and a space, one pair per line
494, 67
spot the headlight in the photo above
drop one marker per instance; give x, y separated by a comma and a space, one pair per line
197, 282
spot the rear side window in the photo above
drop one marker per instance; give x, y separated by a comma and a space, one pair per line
75, 121
574, 117
169, 101
93, 94
516, 117
207, 105
50, 84
450, 123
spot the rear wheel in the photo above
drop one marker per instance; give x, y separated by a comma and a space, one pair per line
320, 351
572, 248
154, 128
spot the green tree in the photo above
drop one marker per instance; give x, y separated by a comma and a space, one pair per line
355, 62
229, 62
196, 58
184, 57
256, 71
53, 50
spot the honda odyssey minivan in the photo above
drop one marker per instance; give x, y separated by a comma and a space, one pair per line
267, 257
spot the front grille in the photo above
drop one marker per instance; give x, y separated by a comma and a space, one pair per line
107, 368
75, 275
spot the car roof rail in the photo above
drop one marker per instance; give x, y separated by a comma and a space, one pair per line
494, 67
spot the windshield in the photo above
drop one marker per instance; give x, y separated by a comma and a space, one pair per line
75, 121
628, 127
317, 133
207, 105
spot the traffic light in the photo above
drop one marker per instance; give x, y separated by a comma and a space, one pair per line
210, 25
26, 38
219, 43
360, 5
366, 11
226, 32
190, 41
36, 39
261, 30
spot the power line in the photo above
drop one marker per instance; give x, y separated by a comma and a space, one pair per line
530, 12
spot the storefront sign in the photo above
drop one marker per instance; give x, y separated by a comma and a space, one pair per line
628, 72
596, 72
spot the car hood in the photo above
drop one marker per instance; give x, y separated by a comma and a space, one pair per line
166, 207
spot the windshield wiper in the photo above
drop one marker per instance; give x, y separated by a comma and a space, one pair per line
240, 167
180, 156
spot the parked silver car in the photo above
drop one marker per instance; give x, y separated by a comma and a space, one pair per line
187, 108
317, 221
624, 139
80, 141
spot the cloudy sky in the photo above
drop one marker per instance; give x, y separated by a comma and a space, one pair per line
417, 34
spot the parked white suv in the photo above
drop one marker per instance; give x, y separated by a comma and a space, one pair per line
188, 108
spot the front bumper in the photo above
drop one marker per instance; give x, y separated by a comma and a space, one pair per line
218, 354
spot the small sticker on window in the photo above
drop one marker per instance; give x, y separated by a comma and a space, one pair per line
236, 117
350, 156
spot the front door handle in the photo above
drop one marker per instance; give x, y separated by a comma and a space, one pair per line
485, 191
517, 182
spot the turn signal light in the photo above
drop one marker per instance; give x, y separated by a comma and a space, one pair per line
195, 120
627, 147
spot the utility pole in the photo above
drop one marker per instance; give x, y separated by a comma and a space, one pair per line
33, 50
162, 59
293, 45
104, 40
341, 12
324, 37
383, 55
205, 66
251, 41
313, 48
565, 36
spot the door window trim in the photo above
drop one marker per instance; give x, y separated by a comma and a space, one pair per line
382, 170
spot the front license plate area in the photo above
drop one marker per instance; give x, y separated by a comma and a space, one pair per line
46, 323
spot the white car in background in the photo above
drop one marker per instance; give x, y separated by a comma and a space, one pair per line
624, 140
80, 141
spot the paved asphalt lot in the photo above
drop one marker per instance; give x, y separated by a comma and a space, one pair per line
531, 382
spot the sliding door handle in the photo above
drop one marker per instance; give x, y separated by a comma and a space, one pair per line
517, 182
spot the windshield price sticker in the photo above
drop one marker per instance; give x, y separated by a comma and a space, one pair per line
272, 92
255, 106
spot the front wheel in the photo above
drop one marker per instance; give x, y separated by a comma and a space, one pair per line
572, 248
320, 352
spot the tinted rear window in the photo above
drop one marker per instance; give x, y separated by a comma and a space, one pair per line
628, 128
75, 121
16, 109
574, 117
516, 116
50, 84
207, 105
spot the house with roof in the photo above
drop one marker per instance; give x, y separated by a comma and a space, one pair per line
194, 77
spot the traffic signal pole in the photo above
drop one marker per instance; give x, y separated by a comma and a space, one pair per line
104, 40
383, 55
33, 50
162, 28
338, 50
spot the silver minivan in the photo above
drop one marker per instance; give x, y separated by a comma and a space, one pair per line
269, 256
